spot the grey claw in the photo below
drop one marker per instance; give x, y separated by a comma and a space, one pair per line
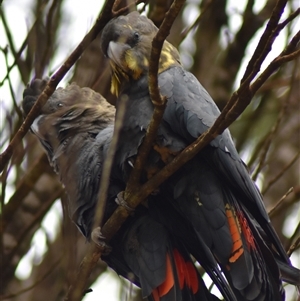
99, 240
121, 202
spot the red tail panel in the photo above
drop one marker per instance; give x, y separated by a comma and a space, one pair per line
186, 272
235, 230
246, 231
169, 282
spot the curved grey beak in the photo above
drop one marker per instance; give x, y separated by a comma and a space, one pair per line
115, 52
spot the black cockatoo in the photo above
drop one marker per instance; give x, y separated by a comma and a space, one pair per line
76, 127
213, 192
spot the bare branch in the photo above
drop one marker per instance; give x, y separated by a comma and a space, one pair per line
289, 244
132, 5
280, 202
52, 266
279, 175
106, 171
187, 30
23, 188
158, 101
27, 228
268, 140
294, 247
265, 42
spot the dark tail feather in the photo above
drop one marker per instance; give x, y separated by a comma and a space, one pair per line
289, 273
265, 267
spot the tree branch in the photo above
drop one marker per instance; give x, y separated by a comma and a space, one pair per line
24, 187
294, 246
156, 98
52, 267
265, 42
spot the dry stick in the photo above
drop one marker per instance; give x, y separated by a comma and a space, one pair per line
288, 245
132, 194
268, 141
294, 247
53, 82
125, 9
16, 108
260, 53
272, 133
158, 101
107, 167
53, 266
280, 202
37, 219
22, 189
49, 31
187, 30
18, 54
280, 174
159, 104
265, 42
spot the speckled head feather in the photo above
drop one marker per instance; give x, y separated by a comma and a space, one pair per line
127, 41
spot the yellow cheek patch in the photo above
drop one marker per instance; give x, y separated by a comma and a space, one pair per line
133, 65
114, 88
146, 62
117, 77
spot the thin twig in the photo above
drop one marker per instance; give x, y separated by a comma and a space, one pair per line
265, 42
289, 53
289, 244
22, 189
53, 266
18, 54
16, 107
294, 247
107, 167
187, 30
46, 205
268, 140
125, 9
280, 202
280, 174
158, 101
